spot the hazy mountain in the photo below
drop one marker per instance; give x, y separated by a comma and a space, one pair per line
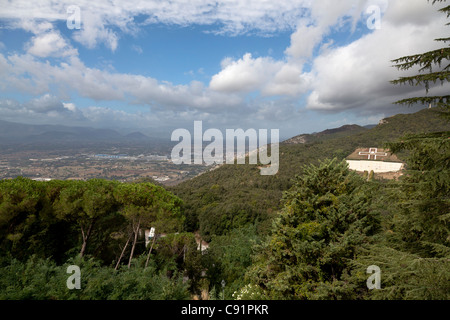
19, 132
137, 136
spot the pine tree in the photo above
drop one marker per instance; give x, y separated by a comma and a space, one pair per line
325, 218
434, 67
414, 256
424, 220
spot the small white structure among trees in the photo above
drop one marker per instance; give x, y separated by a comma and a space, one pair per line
374, 159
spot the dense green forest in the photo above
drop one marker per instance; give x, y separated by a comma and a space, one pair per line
315, 230
309, 232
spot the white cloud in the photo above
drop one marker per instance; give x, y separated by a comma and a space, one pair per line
263, 74
47, 41
50, 44
70, 106
244, 75
286, 77
102, 20
94, 29
323, 15
29, 75
356, 76
288, 81
303, 41
417, 13
44, 109
45, 103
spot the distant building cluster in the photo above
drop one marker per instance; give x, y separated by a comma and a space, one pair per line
127, 157
111, 156
160, 179
155, 157
41, 179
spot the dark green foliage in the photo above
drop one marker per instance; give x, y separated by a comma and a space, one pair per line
404, 276
330, 225
86, 204
423, 220
57, 218
178, 251
45, 223
27, 223
42, 279
325, 218
228, 258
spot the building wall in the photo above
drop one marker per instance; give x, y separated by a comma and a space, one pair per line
376, 166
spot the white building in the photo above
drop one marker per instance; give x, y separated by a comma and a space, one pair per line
375, 166
374, 159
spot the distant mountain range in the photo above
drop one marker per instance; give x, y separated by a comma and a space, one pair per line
19, 132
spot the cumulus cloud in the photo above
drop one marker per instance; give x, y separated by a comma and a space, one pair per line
286, 77
270, 77
45, 103
246, 74
29, 75
50, 44
289, 80
303, 41
44, 109
357, 75
47, 41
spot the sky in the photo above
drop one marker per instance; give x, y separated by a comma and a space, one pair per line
299, 66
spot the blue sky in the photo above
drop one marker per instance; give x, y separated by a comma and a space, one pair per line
298, 66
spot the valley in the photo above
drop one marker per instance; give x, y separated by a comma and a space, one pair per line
51, 152
115, 162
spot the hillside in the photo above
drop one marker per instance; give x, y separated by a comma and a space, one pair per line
231, 195
343, 131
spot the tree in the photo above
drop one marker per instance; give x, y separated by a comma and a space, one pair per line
144, 205
413, 252
178, 251
85, 203
431, 62
325, 218
21, 201
228, 257
424, 219
404, 276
